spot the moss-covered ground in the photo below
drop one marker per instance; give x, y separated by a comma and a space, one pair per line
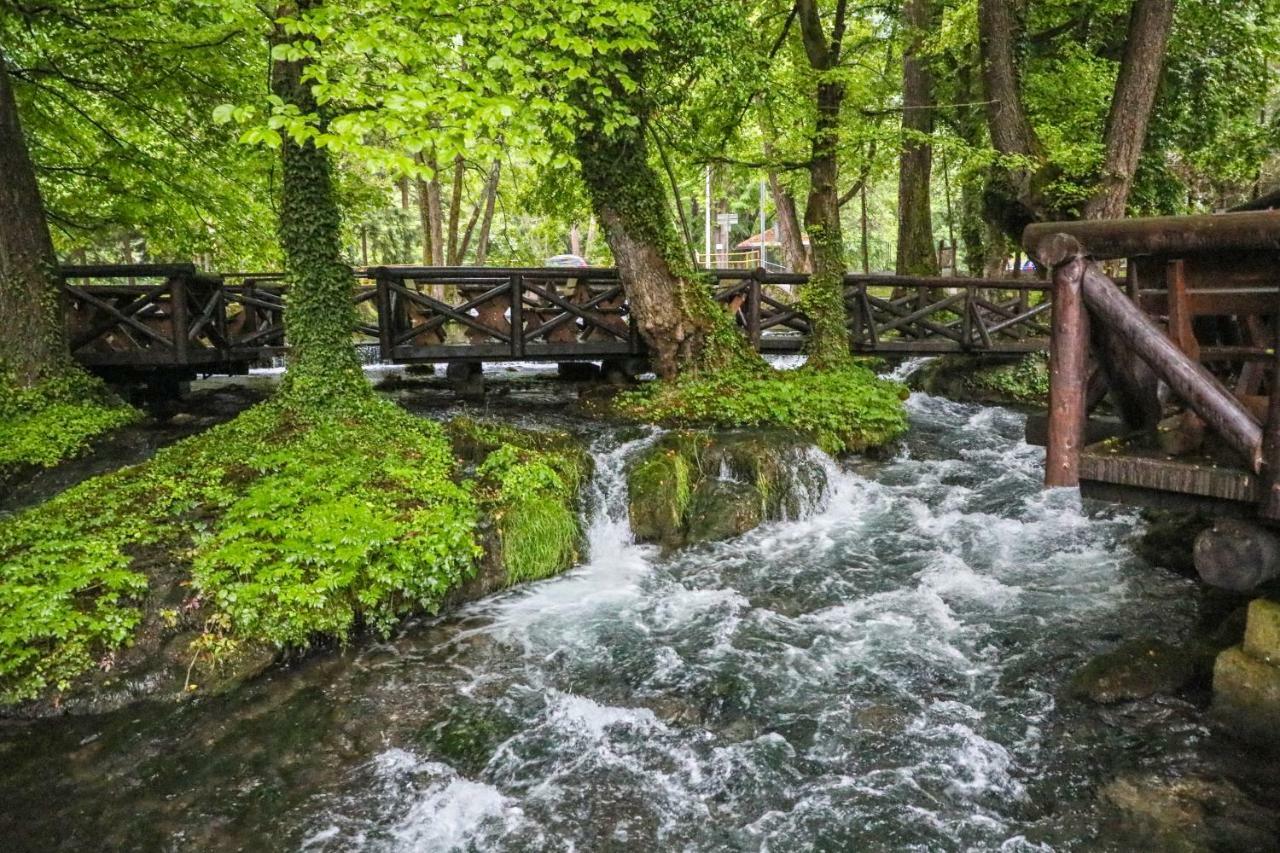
842, 410
281, 528
55, 420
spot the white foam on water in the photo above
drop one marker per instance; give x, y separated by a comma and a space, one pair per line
834, 673
449, 814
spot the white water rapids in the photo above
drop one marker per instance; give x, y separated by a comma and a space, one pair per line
879, 675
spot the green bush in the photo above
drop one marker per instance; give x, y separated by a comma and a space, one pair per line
843, 410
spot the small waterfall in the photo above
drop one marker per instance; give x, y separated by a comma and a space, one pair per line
608, 530
903, 371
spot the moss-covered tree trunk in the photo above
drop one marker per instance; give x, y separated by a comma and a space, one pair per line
686, 331
319, 315
823, 296
916, 255
33, 341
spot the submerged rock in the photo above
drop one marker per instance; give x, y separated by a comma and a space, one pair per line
1168, 538
1135, 670
1191, 814
700, 486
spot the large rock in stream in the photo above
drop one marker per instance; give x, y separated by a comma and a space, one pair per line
990, 380
698, 486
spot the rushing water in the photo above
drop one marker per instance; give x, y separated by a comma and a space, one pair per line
884, 674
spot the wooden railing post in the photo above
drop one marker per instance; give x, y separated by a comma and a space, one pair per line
967, 327
178, 316
1270, 508
517, 315
386, 319
1068, 377
753, 306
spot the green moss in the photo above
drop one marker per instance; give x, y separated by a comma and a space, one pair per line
295, 525
822, 299
699, 486
660, 490
842, 410
527, 483
55, 419
1023, 382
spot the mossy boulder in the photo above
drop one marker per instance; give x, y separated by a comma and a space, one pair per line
1135, 670
990, 380
529, 484
1246, 678
699, 486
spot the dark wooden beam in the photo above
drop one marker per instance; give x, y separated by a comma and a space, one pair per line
1161, 235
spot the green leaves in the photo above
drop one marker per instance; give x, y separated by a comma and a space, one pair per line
843, 410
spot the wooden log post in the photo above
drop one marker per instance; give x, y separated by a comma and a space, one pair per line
1270, 507
1068, 376
1194, 384
1237, 555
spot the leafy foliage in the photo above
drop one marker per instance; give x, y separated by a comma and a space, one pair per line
55, 419
843, 410
348, 522
296, 525
527, 484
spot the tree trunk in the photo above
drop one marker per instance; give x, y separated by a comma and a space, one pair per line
486, 222
33, 342
686, 331
789, 234
915, 222
1131, 107
424, 222
823, 297
430, 215
485, 205
319, 315
455, 211
1012, 196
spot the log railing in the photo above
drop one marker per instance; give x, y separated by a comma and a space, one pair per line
1231, 258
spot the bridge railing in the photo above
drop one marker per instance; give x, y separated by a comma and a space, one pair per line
144, 314
156, 315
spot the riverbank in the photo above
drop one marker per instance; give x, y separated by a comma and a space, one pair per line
271, 534
284, 530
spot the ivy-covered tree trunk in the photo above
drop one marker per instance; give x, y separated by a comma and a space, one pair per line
33, 342
319, 317
686, 331
916, 255
823, 296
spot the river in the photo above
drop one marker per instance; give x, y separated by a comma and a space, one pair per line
885, 673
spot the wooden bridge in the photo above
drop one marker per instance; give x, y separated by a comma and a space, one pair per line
140, 321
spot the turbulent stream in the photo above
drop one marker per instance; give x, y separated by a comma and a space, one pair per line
884, 674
